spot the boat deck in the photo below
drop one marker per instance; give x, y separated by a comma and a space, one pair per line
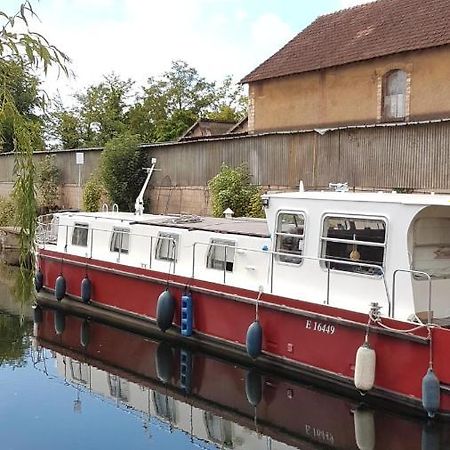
242, 226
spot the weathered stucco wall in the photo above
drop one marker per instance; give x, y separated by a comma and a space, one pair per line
351, 94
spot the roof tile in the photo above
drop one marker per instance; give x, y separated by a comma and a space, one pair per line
363, 32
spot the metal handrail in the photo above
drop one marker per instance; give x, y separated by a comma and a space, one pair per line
45, 223
42, 243
412, 272
301, 257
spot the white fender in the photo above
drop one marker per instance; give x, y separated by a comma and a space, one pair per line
365, 368
364, 429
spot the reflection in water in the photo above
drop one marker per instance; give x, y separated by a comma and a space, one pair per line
221, 404
14, 340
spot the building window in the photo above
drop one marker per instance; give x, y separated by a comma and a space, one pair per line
289, 237
221, 255
80, 234
394, 95
353, 239
166, 246
120, 240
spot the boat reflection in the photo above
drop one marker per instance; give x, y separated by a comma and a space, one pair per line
214, 401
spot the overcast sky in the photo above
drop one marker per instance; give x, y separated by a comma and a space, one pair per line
139, 38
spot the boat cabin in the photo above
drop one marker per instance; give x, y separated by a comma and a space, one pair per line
336, 248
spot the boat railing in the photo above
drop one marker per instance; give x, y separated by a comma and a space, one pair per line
47, 234
47, 229
273, 254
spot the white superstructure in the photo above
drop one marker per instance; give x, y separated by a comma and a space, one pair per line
337, 248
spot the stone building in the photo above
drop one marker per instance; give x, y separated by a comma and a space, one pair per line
381, 62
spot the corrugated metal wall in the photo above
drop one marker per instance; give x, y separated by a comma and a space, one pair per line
413, 156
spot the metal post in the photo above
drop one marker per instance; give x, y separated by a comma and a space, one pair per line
151, 251
92, 241
120, 246
193, 259
328, 283
271, 272
225, 266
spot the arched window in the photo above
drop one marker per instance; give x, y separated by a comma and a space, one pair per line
394, 95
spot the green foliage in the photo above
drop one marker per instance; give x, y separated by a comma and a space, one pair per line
121, 167
230, 103
167, 106
32, 50
14, 340
93, 194
255, 207
8, 216
23, 88
47, 182
232, 188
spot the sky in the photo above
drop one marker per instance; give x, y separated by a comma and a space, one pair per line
139, 38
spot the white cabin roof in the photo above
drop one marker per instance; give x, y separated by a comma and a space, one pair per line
373, 197
242, 225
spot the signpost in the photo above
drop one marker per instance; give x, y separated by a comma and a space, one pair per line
79, 159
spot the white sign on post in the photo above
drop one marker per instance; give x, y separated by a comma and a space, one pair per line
79, 156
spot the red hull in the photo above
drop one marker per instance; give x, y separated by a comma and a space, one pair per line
319, 418
224, 313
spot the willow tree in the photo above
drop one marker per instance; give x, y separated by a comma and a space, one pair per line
23, 46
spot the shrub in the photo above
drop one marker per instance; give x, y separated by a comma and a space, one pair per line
8, 212
47, 183
121, 167
232, 188
94, 194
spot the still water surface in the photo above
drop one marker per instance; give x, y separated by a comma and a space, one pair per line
71, 383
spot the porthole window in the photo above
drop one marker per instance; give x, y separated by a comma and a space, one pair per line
221, 255
80, 234
289, 237
353, 240
166, 246
120, 241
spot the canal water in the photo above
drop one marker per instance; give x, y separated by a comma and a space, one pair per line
71, 383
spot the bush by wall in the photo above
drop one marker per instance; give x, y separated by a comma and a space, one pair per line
232, 188
121, 171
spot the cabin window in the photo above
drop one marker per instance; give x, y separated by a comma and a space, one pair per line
221, 255
431, 252
354, 240
166, 246
80, 234
289, 237
120, 241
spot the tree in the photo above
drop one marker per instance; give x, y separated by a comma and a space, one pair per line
99, 115
232, 188
173, 102
230, 102
47, 182
31, 50
121, 167
24, 89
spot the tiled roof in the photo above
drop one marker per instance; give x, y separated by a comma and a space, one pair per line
363, 32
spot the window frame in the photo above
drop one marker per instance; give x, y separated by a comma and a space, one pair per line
167, 236
384, 94
277, 233
122, 231
80, 226
224, 243
322, 240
